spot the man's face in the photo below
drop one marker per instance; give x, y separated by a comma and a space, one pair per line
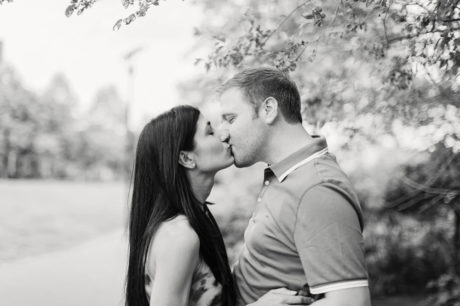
245, 131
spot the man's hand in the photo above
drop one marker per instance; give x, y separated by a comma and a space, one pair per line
282, 296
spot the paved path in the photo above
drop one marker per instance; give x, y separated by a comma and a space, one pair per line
91, 274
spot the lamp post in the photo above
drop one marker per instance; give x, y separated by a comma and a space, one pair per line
1, 53
128, 58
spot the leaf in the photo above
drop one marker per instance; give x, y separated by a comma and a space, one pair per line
125, 3
69, 10
117, 25
130, 19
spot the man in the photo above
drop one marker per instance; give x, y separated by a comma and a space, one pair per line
306, 230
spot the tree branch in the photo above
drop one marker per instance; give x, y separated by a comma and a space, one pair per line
285, 19
430, 204
335, 14
451, 20
385, 33
428, 189
400, 38
415, 201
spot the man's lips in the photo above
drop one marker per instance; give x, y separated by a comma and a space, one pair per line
228, 148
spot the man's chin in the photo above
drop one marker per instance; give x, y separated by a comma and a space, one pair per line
241, 164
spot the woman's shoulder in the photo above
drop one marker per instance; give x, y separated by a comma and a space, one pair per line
177, 233
174, 241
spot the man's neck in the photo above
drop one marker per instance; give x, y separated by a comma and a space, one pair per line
284, 141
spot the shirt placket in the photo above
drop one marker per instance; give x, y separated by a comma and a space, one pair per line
268, 176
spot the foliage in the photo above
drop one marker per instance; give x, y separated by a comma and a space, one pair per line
430, 189
428, 184
403, 254
448, 288
42, 136
25, 125
79, 6
429, 26
289, 34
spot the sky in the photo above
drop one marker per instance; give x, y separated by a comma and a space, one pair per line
39, 41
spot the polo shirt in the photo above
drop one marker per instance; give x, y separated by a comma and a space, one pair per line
306, 229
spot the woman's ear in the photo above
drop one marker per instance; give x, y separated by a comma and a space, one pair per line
186, 160
269, 110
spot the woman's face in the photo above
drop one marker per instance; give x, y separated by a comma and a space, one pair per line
210, 154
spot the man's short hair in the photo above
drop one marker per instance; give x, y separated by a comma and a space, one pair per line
261, 83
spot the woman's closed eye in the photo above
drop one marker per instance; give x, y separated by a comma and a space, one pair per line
209, 129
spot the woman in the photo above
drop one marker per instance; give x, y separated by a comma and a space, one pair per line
177, 255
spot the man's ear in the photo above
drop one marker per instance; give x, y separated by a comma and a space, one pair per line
186, 160
269, 110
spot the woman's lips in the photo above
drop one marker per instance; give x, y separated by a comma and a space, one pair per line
228, 147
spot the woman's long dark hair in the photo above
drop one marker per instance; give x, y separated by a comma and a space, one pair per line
162, 191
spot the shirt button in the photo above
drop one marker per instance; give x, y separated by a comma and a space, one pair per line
259, 199
267, 183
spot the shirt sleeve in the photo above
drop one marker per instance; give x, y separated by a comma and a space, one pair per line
329, 241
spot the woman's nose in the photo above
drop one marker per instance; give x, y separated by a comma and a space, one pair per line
223, 135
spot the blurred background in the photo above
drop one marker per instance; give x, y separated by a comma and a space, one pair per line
80, 78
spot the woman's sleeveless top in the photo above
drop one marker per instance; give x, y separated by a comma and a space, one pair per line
204, 290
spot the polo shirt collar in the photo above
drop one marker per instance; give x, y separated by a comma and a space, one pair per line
314, 149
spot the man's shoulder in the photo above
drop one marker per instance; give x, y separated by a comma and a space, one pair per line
324, 169
328, 183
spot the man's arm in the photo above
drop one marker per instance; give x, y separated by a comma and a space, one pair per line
281, 297
329, 242
346, 297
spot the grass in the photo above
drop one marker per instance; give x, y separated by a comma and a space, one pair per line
42, 216
37, 217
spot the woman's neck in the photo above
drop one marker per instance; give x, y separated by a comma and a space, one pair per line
201, 184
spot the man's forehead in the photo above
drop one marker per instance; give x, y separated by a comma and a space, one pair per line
233, 100
232, 93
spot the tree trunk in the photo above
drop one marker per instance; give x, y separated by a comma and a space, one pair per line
11, 167
456, 242
6, 143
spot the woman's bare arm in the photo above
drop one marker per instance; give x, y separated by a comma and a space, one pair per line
176, 254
